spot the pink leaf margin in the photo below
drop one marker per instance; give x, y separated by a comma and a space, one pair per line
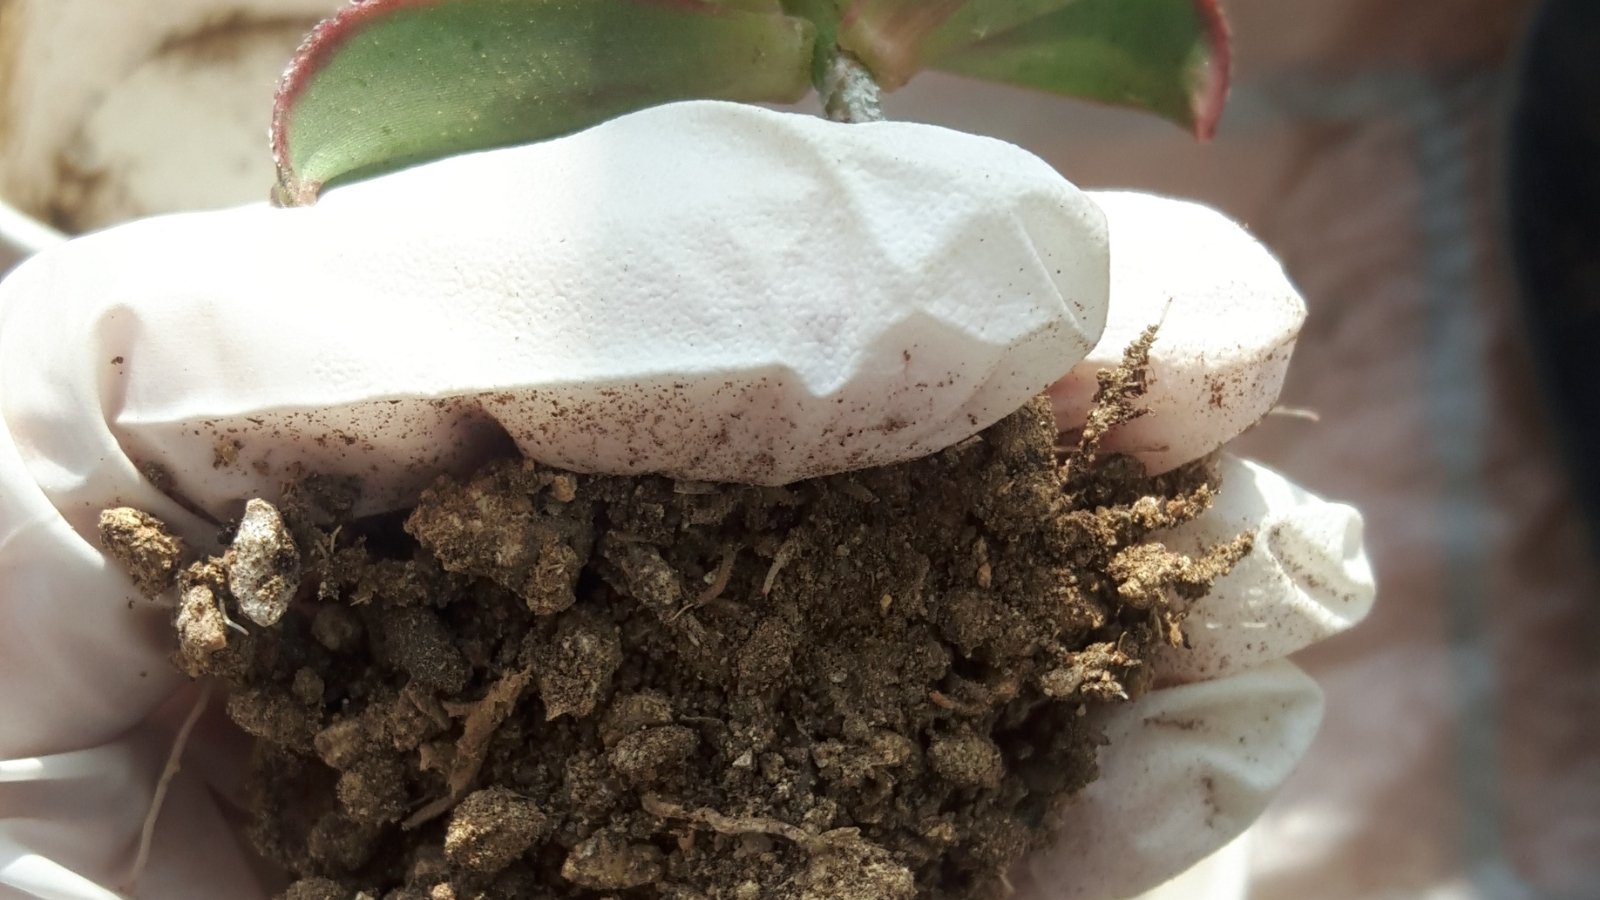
1210, 89
313, 53
1208, 96
324, 41
892, 48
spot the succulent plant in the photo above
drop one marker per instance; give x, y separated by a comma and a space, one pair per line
387, 83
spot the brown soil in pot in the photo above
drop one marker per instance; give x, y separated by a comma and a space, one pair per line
541, 684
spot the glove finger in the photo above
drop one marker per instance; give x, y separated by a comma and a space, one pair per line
1223, 875
1186, 770
25, 874
1305, 579
706, 289
1228, 318
865, 296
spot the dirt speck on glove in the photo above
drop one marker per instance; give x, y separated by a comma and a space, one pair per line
541, 684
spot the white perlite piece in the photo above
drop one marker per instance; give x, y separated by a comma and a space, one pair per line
263, 564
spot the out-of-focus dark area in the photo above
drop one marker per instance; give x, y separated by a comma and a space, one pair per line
1554, 208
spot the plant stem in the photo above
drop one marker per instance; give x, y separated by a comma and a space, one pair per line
849, 92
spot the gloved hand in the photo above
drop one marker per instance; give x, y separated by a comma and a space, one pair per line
610, 300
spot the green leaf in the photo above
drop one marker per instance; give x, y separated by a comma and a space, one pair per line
1166, 56
895, 38
1170, 57
387, 83
824, 16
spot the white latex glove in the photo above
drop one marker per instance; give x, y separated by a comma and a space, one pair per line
709, 290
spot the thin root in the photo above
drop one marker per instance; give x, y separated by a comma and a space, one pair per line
482, 718
1115, 399
779, 560
959, 707
737, 825
720, 582
229, 622
147, 832
1295, 412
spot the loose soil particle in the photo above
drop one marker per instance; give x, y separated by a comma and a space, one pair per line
143, 547
550, 685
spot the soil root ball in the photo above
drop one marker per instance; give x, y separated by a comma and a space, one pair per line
870, 685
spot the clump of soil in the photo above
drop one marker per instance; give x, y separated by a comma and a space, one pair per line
542, 684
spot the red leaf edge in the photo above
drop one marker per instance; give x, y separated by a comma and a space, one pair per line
1211, 89
892, 50
314, 51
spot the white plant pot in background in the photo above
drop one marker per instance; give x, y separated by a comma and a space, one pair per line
114, 110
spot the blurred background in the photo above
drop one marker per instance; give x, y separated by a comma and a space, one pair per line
1427, 172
